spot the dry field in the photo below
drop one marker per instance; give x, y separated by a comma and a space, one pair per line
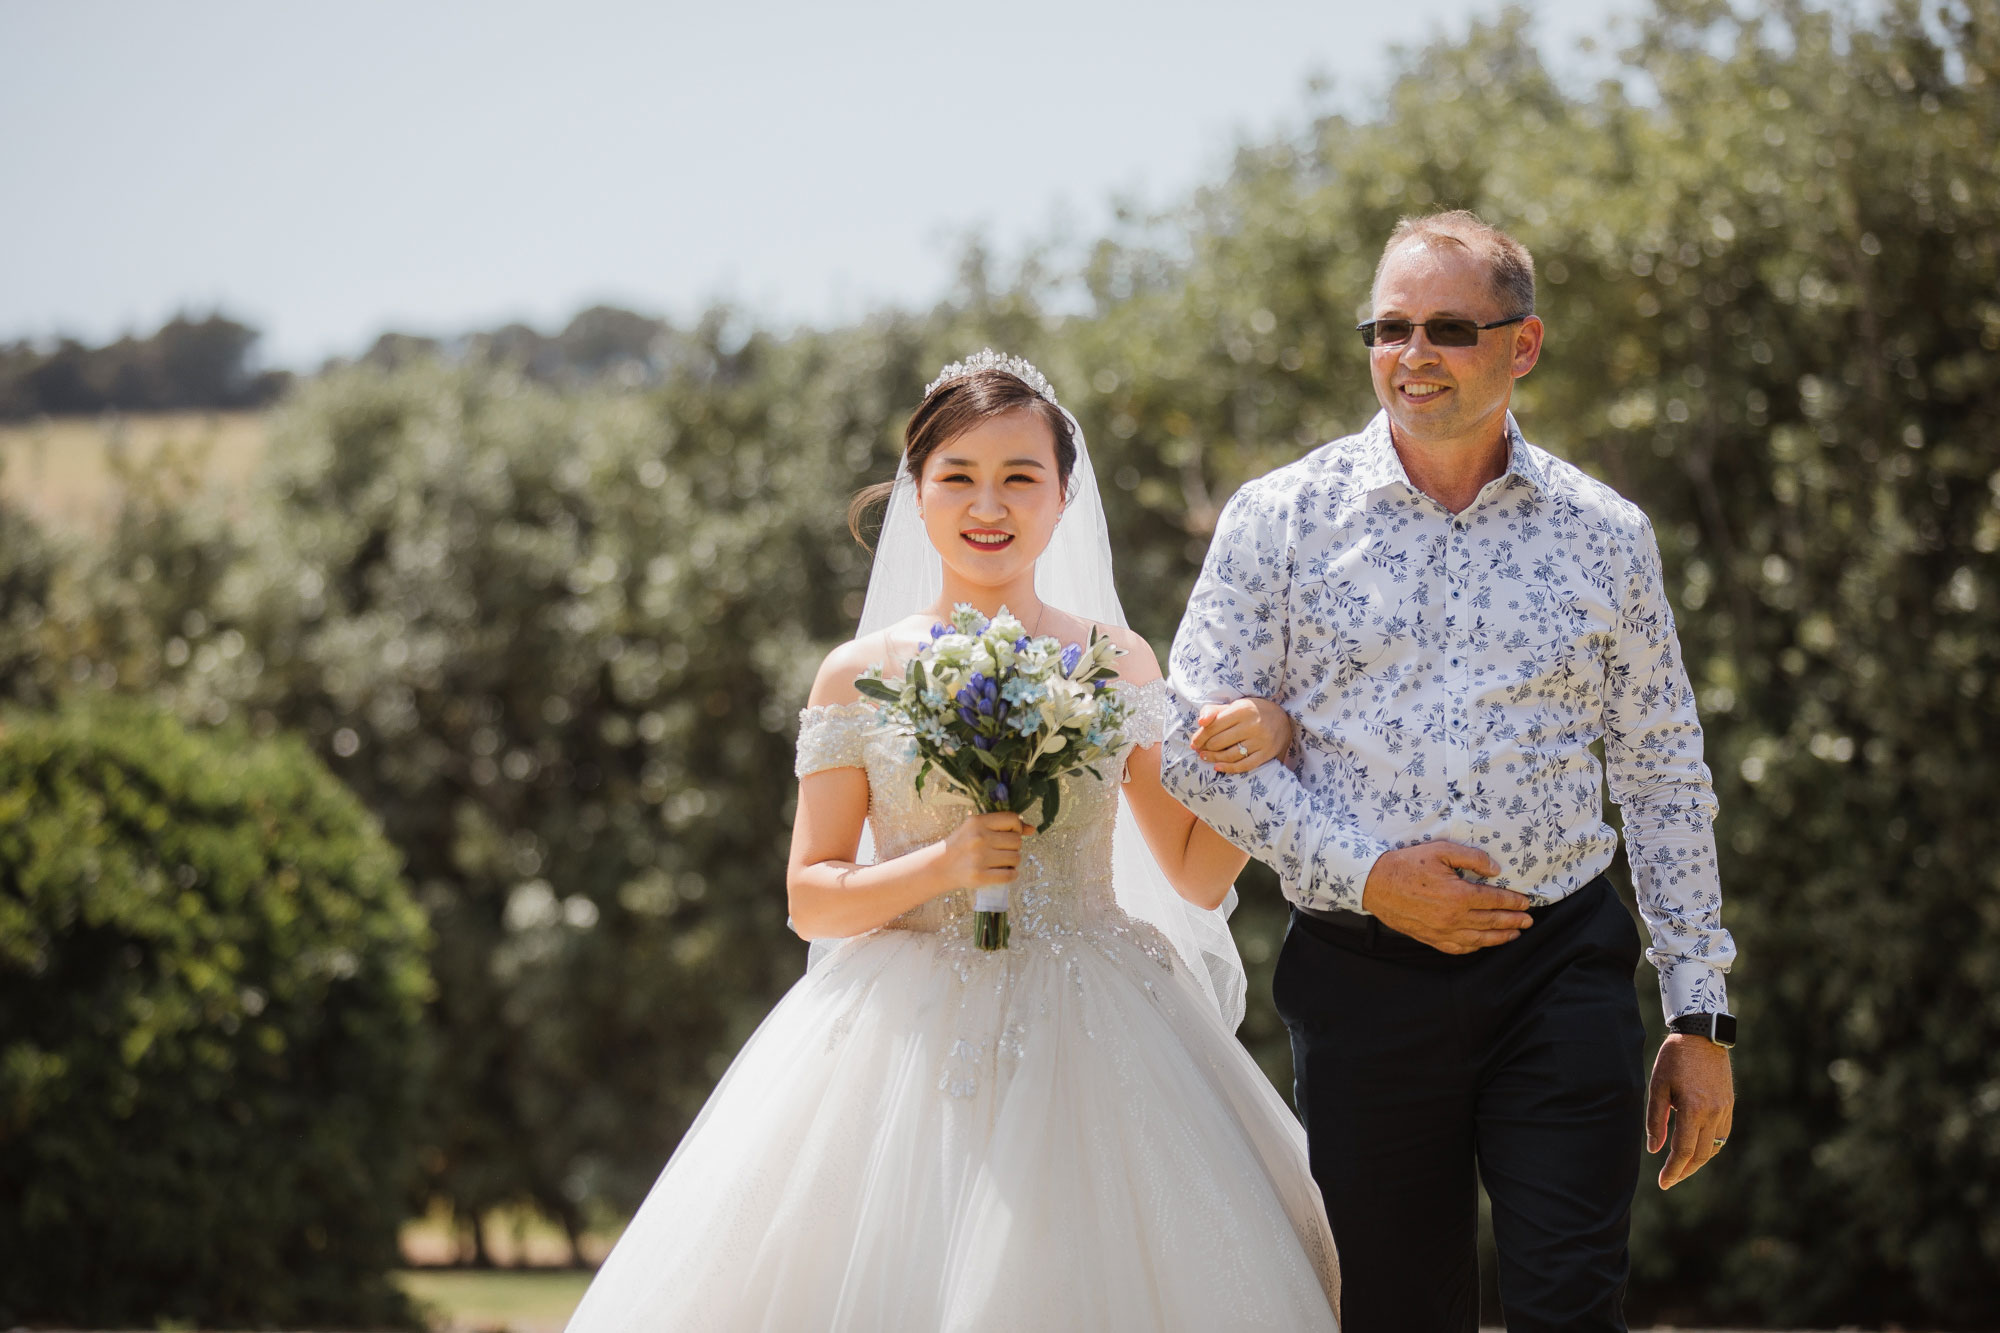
64, 470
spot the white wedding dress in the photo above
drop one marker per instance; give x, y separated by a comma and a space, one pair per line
1061, 1135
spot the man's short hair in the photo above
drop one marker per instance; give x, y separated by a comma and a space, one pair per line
1512, 267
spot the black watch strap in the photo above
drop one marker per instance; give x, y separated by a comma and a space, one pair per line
1718, 1028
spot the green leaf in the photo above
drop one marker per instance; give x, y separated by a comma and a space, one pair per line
878, 689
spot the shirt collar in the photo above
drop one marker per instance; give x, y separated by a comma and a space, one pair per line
1377, 464
1523, 459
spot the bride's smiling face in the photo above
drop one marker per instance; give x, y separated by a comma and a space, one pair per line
991, 498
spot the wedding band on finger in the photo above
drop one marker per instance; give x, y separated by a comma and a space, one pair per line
1718, 1142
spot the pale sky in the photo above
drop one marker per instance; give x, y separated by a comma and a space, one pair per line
326, 171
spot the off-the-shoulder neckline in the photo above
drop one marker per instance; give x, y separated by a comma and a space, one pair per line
850, 706
863, 706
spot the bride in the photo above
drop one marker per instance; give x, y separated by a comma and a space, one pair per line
1060, 1135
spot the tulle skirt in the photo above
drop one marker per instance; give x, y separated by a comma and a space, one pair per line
924, 1137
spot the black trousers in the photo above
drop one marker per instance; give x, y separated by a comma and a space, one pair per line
1415, 1069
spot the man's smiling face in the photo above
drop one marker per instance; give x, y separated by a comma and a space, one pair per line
1447, 395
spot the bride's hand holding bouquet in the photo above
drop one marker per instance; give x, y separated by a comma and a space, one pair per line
1002, 718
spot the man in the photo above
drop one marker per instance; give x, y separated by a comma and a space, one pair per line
1453, 616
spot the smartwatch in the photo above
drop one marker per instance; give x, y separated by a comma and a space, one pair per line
1718, 1028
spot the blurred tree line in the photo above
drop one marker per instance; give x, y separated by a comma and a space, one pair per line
187, 363
553, 626
209, 363
603, 344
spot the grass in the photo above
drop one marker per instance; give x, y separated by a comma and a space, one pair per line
518, 1300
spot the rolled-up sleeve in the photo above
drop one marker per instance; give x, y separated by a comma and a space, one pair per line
1232, 645
1653, 749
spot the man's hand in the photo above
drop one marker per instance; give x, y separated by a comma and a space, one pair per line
1417, 890
1691, 1083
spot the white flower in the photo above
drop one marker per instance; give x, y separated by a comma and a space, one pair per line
947, 681
1005, 626
952, 650
1002, 650
1101, 655
1068, 703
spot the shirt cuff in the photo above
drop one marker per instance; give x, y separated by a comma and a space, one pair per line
1691, 986
1339, 870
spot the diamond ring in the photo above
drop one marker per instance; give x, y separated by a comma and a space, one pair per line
1718, 1142
1242, 750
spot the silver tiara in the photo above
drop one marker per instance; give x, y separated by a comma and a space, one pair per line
988, 359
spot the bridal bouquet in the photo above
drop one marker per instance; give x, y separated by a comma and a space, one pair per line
1003, 718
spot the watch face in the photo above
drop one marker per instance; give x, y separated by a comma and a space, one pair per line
1725, 1029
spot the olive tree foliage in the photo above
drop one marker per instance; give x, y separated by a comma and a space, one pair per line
1769, 277
555, 637
558, 641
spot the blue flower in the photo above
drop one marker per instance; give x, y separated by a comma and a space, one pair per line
982, 742
996, 791
1023, 690
1026, 720
938, 631
1071, 656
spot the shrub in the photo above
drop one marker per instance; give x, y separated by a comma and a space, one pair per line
27, 572
211, 985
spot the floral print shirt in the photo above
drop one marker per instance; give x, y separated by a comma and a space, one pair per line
1448, 676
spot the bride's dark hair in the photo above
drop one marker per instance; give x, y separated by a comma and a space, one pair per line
952, 409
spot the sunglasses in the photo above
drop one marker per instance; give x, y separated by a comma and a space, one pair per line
1448, 331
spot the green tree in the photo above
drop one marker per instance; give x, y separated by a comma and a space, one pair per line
211, 983
1770, 290
186, 363
556, 642
28, 571
553, 632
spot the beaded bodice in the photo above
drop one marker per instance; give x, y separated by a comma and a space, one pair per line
1064, 884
